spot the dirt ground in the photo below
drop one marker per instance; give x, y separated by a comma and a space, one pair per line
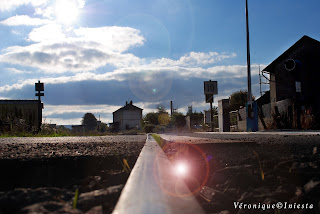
252, 169
41, 175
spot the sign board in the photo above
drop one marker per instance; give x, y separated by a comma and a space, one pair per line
207, 117
39, 94
210, 87
39, 86
209, 98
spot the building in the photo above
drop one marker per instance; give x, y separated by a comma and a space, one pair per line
77, 128
194, 120
294, 81
127, 117
19, 115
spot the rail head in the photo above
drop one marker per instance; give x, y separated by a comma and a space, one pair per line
153, 187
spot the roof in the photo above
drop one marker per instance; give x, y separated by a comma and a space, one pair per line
18, 101
305, 39
128, 107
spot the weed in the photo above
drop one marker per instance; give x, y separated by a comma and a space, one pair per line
126, 166
158, 139
261, 170
75, 200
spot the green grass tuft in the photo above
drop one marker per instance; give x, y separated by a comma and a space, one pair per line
261, 170
75, 200
158, 139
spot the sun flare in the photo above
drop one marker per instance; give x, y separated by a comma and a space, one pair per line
66, 11
181, 169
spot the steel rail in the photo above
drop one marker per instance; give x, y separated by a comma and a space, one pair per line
152, 186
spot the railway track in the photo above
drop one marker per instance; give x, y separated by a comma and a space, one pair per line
154, 187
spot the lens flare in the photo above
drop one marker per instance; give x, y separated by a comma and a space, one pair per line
181, 169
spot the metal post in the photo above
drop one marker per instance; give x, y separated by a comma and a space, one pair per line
260, 82
39, 113
39, 87
248, 58
211, 115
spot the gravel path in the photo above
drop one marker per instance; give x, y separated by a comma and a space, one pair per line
40, 147
41, 175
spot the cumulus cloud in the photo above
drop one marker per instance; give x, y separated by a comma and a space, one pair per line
24, 20
6, 5
118, 39
87, 50
46, 12
18, 71
142, 76
194, 59
49, 32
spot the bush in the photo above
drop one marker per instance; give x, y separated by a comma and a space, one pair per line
159, 129
134, 131
148, 128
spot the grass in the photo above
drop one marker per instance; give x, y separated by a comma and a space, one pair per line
261, 170
75, 199
158, 139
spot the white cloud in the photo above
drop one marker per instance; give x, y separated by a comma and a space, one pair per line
194, 59
65, 109
146, 75
6, 5
45, 12
17, 71
118, 39
49, 32
62, 121
87, 50
50, 112
24, 20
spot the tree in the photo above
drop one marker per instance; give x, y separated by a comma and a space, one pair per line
161, 109
164, 119
178, 120
89, 121
151, 118
214, 110
103, 127
237, 99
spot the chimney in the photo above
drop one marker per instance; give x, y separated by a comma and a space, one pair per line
126, 102
131, 102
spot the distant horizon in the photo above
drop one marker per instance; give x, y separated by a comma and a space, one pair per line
96, 55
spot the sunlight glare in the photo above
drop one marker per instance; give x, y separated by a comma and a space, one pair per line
181, 169
66, 11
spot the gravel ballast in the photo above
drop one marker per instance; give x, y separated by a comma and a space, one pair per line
41, 175
247, 169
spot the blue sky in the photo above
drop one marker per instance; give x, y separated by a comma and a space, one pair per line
95, 55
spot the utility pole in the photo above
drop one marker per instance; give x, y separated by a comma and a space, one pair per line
39, 87
252, 114
248, 59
